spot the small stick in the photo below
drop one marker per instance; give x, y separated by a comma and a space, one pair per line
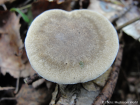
4, 7
6, 88
118, 16
7, 98
30, 80
127, 23
80, 4
17, 84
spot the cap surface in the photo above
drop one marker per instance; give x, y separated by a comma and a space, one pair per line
71, 47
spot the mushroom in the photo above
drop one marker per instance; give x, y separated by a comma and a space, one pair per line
71, 47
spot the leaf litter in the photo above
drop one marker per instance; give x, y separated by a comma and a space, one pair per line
10, 43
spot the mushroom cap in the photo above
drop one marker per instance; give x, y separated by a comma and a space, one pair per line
71, 47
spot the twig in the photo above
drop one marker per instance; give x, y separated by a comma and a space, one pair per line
118, 16
7, 98
6, 88
120, 36
81, 4
107, 91
127, 23
17, 84
30, 80
4, 6
113, 2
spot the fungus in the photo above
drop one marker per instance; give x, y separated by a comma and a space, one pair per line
71, 47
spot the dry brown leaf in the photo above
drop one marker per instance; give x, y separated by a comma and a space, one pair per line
109, 9
30, 96
133, 29
131, 14
87, 97
4, 1
10, 43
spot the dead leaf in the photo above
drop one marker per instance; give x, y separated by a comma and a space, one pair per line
106, 9
133, 29
30, 96
4, 1
87, 97
10, 43
131, 14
